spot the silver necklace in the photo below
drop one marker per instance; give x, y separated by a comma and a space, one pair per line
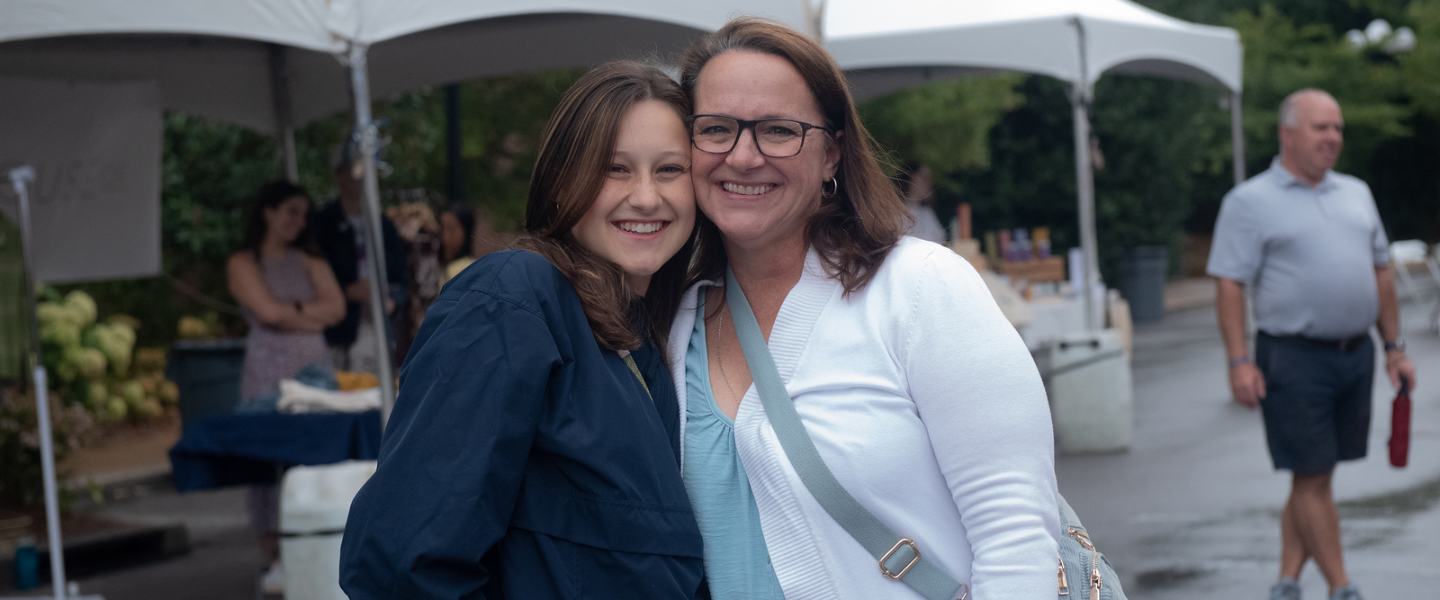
720, 356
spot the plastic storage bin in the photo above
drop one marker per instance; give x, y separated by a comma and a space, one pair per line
314, 503
1091, 392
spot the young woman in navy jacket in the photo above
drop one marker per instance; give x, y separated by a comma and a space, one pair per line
534, 447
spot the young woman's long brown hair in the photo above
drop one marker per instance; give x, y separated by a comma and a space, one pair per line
576, 151
853, 230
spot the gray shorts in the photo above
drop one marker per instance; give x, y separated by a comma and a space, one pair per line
1317, 401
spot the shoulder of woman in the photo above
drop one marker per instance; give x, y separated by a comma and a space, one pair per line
243, 258
517, 276
915, 262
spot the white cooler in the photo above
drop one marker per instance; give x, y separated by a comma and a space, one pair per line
314, 502
1091, 393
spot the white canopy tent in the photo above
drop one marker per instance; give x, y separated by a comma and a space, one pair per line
214, 59
893, 45
270, 64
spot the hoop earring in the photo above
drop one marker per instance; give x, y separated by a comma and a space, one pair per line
834, 188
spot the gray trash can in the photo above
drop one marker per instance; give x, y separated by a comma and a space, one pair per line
1140, 277
207, 372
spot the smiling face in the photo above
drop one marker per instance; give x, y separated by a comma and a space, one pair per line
285, 221
646, 207
759, 201
1312, 146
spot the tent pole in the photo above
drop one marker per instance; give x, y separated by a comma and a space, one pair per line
1237, 138
379, 283
21, 178
1085, 187
284, 119
815, 19
1080, 96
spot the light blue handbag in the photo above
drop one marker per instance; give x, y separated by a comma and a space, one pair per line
898, 558
1081, 563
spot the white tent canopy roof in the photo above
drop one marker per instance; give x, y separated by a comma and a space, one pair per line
375, 21
213, 57
895, 44
298, 23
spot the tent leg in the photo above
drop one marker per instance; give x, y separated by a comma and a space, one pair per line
1085, 187
379, 283
21, 178
1237, 138
284, 120
287, 157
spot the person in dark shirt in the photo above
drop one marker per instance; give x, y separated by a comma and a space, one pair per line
340, 232
534, 449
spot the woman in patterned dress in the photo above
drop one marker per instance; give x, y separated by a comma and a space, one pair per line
289, 296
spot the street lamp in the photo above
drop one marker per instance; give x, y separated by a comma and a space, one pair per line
1379, 33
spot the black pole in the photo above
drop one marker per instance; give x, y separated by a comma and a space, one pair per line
454, 173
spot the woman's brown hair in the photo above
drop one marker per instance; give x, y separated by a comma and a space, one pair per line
576, 151
854, 229
271, 196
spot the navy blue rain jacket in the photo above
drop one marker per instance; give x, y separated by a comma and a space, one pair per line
522, 460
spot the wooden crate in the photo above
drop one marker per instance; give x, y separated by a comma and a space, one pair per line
1035, 270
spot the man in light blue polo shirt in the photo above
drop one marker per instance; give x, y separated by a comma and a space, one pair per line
1308, 244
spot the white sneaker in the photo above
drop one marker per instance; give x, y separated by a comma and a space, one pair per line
273, 581
1287, 589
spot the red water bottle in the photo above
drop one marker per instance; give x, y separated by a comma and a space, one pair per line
1400, 426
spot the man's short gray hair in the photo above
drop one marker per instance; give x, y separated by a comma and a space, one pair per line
1290, 107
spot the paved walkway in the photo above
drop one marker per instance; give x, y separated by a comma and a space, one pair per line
1192, 510
126, 456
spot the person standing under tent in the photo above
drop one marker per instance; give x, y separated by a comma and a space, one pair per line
340, 231
916, 186
289, 297
919, 396
534, 449
457, 234
1308, 244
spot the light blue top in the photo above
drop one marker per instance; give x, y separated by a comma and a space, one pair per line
1308, 254
737, 564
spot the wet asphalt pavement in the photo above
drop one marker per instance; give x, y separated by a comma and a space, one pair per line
1190, 512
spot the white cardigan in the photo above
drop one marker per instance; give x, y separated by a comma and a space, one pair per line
924, 402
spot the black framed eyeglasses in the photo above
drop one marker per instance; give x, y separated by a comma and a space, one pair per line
776, 138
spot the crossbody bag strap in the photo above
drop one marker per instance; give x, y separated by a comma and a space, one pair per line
898, 558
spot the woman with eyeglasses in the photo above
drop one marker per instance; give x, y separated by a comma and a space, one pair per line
533, 452
917, 393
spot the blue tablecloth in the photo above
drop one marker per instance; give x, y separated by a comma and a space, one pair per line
228, 450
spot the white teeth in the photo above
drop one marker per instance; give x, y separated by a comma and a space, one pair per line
636, 227
747, 190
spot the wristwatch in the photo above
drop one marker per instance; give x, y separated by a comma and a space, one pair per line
1398, 344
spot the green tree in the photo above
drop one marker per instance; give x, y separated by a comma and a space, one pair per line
1422, 65
502, 119
944, 124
